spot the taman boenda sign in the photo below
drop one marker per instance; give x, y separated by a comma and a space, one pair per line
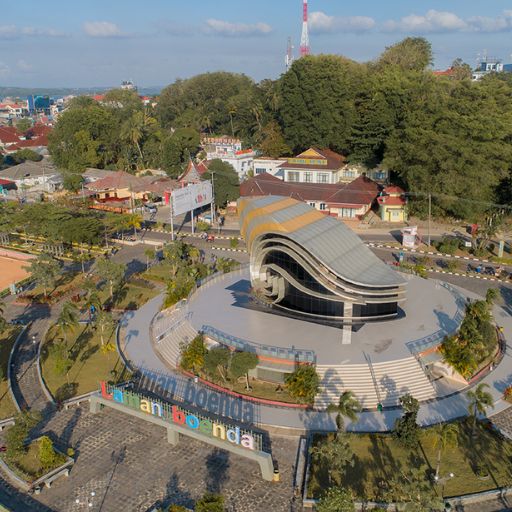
179, 416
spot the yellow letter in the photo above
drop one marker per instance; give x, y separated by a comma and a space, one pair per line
144, 406
219, 429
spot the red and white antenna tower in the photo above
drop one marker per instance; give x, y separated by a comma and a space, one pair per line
304, 40
289, 55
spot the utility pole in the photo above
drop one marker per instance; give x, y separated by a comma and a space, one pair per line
429, 215
213, 199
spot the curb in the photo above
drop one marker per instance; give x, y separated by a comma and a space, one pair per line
196, 235
228, 249
42, 382
428, 253
458, 274
9, 366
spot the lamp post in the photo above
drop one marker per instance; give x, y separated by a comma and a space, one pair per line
88, 501
442, 480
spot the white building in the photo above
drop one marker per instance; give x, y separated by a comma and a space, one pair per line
229, 150
269, 165
40, 176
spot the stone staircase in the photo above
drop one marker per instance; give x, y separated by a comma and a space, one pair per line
393, 379
169, 333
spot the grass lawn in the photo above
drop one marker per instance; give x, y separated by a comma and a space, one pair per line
7, 339
28, 466
89, 366
379, 456
160, 272
134, 294
265, 390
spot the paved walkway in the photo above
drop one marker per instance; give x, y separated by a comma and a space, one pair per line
139, 350
25, 381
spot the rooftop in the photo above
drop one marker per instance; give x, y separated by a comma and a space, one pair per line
327, 240
361, 191
29, 169
316, 159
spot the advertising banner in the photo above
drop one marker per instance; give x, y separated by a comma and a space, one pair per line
185, 199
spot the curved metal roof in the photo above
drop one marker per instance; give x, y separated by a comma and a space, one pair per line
328, 240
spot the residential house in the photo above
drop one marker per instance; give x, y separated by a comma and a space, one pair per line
194, 172
347, 201
325, 166
91, 175
6, 186
34, 176
392, 203
126, 190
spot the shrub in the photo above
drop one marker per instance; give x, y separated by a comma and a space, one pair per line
507, 394
210, 503
303, 384
47, 455
233, 243
176, 508
202, 226
448, 245
192, 355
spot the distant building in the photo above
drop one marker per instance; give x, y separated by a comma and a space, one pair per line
325, 166
128, 85
39, 104
12, 111
229, 150
41, 176
489, 65
194, 172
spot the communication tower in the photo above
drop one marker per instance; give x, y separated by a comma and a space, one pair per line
304, 40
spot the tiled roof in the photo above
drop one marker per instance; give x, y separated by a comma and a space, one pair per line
391, 201
361, 191
29, 169
394, 189
9, 134
124, 180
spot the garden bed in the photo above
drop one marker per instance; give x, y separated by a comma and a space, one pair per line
89, 363
7, 339
378, 457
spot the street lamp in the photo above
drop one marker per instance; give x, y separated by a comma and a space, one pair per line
88, 502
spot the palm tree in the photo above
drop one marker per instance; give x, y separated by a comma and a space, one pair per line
348, 406
133, 131
479, 401
491, 296
445, 436
134, 221
104, 322
68, 318
150, 255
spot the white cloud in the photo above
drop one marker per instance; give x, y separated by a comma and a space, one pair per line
319, 23
228, 29
501, 23
4, 70
102, 29
23, 65
432, 21
13, 32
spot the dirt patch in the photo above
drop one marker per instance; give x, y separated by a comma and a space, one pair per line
11, 271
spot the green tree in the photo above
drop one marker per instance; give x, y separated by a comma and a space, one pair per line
216, 363
461, 70
72, 181
150, 256
67, 319
210, 503
241, 364
445, 435
317, 106
406, 429
62, 360
177, 149
348, 406
479, 401
272, 141
303, 383
336, 499
112, 272
47, 454
413, 53
491, 296
104, 323
23, 124
193, 354
22, 155
226, 182
44, 269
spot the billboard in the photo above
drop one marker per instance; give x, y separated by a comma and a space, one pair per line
189, 198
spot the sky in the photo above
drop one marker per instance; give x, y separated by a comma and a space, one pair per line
97, 43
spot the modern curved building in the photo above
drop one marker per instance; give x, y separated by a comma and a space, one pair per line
309, 265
